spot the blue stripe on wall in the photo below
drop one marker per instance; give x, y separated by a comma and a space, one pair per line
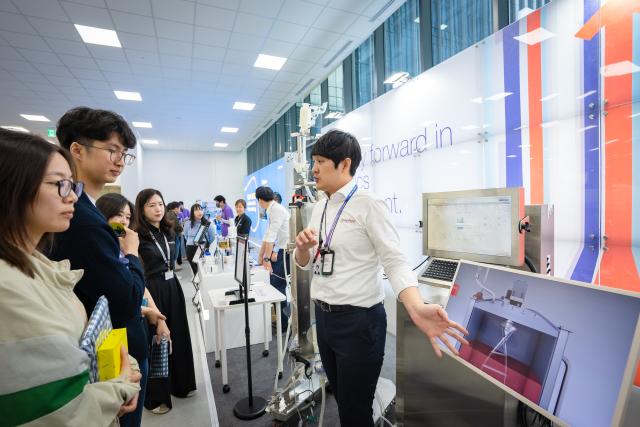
586, 265
511, 59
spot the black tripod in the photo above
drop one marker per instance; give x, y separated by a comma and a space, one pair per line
250, 407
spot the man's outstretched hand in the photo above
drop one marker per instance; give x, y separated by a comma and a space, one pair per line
433, 321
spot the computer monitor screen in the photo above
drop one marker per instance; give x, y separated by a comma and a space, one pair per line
569, 348
478, 225
242, 260
197, 239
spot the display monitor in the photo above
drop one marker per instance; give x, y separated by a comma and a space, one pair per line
201, 234
477, 225
242, 261
567, 349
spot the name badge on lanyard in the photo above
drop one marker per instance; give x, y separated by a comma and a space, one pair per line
168, 275
326, 260
327, 256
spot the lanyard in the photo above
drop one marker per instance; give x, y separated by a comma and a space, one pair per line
329, 235
166, 242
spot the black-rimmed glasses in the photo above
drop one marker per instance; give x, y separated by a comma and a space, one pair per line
115, 156
66, 186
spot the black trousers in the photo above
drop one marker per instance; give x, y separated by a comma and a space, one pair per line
277, 280
352, 349
191, 252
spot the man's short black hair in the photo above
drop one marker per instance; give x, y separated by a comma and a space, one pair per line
220, 199
84, 124
264, 193
337, 146
173, 205
277, 197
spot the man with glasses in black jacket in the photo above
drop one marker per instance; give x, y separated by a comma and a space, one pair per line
99, 141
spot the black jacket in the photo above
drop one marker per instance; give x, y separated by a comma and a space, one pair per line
243, 224
90, 244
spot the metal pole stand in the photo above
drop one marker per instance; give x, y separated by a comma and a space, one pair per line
250, 407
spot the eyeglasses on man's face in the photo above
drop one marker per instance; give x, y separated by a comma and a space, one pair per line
114, 155
66, 186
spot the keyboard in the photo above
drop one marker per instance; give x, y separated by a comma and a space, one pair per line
441, 269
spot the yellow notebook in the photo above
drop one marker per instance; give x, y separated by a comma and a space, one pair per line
109, 354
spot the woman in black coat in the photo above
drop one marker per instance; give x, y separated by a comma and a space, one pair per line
157, 247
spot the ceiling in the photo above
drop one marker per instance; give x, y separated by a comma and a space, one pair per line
190, 60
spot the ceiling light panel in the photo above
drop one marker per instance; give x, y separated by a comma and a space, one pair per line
15, 128
220, 145
100, 36
145, 125
35, 118
227, 129
269, 62
246, 106
128, 96
150, 141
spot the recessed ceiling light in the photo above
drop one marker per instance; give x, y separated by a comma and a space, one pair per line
35, 118
269, 62
128, 96
146, 125
99, 36
220, 144
226, 129
247, 106
150, 141
15, 128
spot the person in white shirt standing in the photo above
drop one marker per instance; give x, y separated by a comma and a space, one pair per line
276, 236
349, 239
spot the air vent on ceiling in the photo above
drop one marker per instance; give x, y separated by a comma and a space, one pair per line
338, 53
381, 11
306, 85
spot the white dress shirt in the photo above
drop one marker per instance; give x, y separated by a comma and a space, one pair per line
278, 228
364, 241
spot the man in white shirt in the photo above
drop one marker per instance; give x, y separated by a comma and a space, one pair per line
276, 236
349, 239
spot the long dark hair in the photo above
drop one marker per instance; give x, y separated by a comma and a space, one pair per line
23, 163
192, 217
142, 225
111, 204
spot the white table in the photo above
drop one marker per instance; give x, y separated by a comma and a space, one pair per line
264, 295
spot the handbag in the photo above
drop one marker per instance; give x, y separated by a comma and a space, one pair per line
159, 359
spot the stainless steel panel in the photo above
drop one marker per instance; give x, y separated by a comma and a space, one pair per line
441, 392
538, 242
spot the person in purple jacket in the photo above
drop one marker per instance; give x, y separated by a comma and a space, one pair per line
226, 217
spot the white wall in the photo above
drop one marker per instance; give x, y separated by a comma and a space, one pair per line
190, 176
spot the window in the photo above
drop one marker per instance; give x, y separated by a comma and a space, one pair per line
456, 25
335, 85
402, 41
520, 8
363, 73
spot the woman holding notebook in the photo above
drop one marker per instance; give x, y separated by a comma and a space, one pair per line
44, 375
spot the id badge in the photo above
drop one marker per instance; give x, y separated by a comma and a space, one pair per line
168, 275
327, 262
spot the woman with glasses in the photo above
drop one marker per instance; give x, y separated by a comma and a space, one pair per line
157, 247
44, 375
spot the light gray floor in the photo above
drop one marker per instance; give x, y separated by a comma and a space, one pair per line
194, 411
200, 410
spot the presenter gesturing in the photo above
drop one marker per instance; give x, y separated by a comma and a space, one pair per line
349, 239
